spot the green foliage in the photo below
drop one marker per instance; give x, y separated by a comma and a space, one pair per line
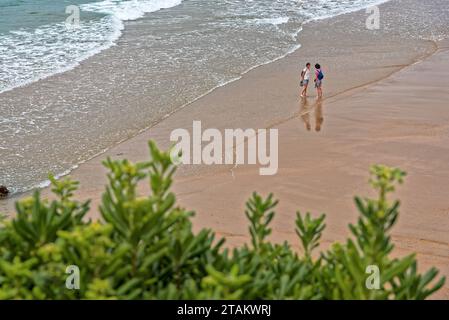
309, 230
260, 215
144, 247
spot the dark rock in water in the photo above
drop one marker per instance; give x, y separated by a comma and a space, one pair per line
3, 191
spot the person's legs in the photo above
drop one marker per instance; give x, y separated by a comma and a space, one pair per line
318, 85
304, 91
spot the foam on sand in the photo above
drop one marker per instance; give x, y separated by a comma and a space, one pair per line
129, 10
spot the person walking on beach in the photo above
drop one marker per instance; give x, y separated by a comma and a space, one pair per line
319, 80
305, 78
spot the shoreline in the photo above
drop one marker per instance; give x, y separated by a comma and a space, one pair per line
320, 172
46, 183
80, 63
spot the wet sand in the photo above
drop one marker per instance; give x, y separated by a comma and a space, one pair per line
378, 108
398, 122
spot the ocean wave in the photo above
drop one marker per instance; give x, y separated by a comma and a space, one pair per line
28, 56
324, 9
129, 10
31, 55
274, 21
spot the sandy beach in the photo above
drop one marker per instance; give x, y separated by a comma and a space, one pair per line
382, 104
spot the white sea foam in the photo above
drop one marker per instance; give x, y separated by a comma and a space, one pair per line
129, 10
324, 9
31, 55
28, 56
274, 21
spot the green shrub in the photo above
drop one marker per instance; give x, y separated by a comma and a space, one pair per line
144, 248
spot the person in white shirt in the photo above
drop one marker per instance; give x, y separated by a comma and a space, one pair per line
305, 78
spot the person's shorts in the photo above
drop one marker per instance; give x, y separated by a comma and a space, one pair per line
305, 82
318, 83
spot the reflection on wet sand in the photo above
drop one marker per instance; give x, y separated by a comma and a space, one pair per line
306, 109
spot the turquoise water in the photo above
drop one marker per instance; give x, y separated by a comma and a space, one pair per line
36, 42
31, 14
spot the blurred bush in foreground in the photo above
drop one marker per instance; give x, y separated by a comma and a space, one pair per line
144, 248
